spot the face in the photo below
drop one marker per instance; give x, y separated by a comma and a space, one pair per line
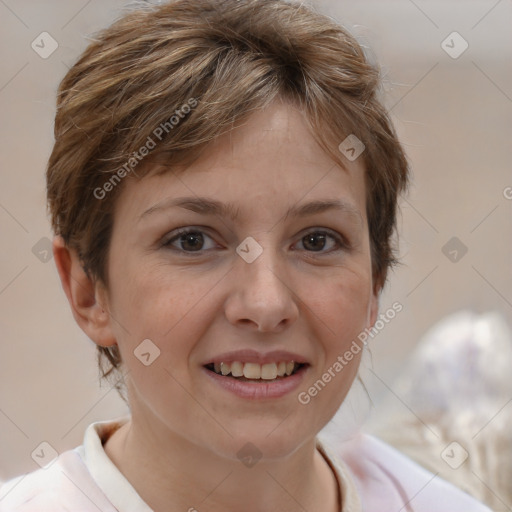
268, 282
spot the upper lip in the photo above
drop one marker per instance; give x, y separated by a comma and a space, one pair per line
252, 356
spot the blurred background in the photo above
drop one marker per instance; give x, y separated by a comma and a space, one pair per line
447, 68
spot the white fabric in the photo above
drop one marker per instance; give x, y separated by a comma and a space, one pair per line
373, 477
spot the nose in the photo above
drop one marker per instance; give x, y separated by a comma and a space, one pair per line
262, 298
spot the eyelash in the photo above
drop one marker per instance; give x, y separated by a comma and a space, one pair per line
341, 242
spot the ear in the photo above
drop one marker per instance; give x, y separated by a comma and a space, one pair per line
87, 298
374, 306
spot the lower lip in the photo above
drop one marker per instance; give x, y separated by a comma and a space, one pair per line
261, 389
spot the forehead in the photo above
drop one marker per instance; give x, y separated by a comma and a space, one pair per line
271, 158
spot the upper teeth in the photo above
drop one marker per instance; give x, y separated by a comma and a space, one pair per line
266, 371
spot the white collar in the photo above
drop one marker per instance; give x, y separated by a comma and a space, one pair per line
125, 498
107, 476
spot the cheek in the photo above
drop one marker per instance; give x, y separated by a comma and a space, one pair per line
144, 294
341, 313
163, 306
342, 306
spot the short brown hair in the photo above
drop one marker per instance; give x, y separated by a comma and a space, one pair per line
230, 57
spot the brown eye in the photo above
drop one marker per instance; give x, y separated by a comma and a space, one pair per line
317, 241
314, 242
192, 240
187, 241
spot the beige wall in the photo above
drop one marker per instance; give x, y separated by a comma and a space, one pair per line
454, 117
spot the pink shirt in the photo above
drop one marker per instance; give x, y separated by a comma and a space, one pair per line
373, 477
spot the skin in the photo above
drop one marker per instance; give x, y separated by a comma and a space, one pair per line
185, 431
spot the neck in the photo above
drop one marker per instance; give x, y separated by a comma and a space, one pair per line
182, 476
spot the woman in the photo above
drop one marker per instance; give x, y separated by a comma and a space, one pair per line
223, 191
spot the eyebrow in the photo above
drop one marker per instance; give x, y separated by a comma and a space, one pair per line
207, 206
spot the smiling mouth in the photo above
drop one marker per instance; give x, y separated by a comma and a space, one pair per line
256, 372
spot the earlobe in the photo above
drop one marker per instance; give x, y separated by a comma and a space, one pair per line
374, 308
85, 296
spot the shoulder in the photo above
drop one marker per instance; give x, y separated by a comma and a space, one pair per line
384, 475
64, 485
